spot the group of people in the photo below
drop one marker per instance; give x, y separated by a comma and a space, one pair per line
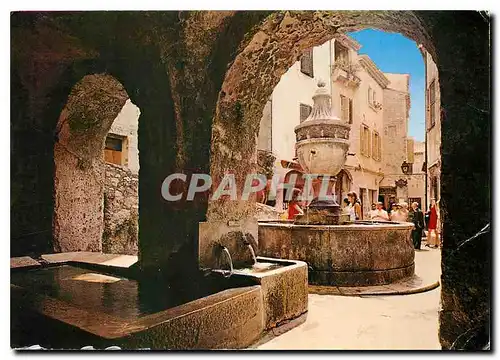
398, 213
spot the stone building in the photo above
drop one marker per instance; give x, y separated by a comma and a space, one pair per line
433, 129
416, 181
121, 183
375, 103
398, 147
121, 142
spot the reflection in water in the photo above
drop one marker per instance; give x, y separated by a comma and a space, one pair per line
126, 298
259, 267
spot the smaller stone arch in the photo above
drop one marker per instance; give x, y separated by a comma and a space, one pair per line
93, 104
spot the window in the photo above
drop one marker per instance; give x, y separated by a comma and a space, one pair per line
370, 96
114, 150
374, 100
376, 146
346, 109
350, 111
372, 195
365, 140
341, 53
306, 63
432, 103
305, 110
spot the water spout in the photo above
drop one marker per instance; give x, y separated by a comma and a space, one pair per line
249, 245
226, 273
253, 253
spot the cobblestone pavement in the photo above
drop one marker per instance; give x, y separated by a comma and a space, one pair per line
372, 322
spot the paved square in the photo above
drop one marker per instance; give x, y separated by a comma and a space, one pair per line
375, 322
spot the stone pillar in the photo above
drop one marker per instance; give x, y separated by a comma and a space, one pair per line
92, 106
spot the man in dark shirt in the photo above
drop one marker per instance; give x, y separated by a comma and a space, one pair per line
418, 221
392, 202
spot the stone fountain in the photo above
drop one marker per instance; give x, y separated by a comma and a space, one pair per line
322, 145
337, 253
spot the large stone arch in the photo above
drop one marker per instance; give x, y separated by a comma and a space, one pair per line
464, 71
92, 106
273, 47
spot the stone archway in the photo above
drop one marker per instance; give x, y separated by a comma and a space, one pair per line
274, 46
276, 43
93, 104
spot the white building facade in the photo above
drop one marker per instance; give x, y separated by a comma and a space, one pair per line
359, 89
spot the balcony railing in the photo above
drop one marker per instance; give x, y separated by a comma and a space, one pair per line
345, 72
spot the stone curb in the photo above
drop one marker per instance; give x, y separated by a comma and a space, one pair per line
382, 290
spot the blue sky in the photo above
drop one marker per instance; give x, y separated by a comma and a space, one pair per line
394, 53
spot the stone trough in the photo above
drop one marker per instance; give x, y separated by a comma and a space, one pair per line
80, 302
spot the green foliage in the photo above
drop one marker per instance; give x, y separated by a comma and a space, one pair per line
265, 161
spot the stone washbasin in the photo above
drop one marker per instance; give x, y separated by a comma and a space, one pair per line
356, 254
72, 304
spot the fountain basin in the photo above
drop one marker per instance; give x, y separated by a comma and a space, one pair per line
358, 254
322, 155
70, 305
284, 289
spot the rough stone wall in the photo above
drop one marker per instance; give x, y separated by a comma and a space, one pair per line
121, 211
395, 134
395, 126
465, 169
264, 140
36, 68
92, 107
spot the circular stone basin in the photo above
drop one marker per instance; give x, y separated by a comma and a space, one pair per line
356, 254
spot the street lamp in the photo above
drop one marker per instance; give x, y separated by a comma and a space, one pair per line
405, 167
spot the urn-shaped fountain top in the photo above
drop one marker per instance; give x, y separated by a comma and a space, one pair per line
323, 138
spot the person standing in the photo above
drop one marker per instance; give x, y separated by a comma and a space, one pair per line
392, 203
433, 236
353, 199
418, 221
294, 208
396, 214
373, 211
404, 211
380, 213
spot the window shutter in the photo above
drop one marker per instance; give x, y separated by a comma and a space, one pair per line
378, 147
362, 139
350, 111
374, 145
344, 108
113, 150
432, 101
368, 147
305, 110
306, 63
